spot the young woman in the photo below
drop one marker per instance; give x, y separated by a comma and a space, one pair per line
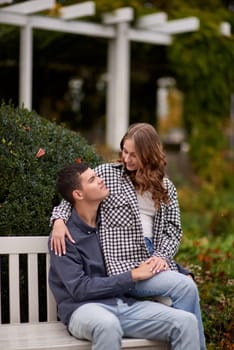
140, 219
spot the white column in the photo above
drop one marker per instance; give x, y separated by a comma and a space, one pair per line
110, 95
118, 86
25, 66
118, 76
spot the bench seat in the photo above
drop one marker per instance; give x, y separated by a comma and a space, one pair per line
53, 335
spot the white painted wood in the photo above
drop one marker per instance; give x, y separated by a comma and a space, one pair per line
2, 2
50, 301
23, 244
25, 66
120, 15
30, 6
152, 19
73, 27
33, 299
0, 291
79, 10
43, 335
178, 26
12, 19
150, 37
14, 295
53, 335
59, 25
110, 94
119, 57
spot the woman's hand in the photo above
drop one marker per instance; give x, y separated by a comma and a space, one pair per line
59, 232
159, 264
144, 271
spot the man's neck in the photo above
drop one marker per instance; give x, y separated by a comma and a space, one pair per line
88, 213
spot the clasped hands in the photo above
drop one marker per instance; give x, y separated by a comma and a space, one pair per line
149, 268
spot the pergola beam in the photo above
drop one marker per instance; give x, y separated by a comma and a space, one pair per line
73, 27
2, 2
177, 26
121, 15
79, 10
149, 37
13, 19
148, 21
31, 6
58, 25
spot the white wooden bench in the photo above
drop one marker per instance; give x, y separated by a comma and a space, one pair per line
34, 333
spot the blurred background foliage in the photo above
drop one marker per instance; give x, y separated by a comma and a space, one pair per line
202, 65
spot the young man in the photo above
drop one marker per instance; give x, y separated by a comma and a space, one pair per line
90, 303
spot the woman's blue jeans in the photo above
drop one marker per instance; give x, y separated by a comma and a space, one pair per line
181, 289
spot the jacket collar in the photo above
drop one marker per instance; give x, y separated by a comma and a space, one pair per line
78, 222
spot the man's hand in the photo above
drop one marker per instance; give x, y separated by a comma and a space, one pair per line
59, 232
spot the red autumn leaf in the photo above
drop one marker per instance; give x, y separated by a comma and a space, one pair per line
40, 153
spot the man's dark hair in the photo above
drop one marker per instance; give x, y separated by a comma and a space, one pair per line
69, 179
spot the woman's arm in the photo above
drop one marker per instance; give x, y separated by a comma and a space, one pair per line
62, 211
59, 217
168, 230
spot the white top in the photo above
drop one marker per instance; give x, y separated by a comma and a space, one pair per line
147, 212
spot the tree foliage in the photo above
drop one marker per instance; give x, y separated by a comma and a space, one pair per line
203, 66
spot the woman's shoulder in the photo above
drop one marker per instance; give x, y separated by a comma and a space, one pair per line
168, 183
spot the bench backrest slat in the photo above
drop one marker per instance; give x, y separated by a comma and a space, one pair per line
32, 247
33, 299
14, 298
51, 304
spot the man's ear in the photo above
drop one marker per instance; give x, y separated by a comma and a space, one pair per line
77, 195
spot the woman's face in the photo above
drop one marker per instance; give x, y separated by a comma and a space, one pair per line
129, 155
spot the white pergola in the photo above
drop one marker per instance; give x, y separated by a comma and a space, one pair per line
154, 29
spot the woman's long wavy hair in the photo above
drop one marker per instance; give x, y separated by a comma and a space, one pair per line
152, 162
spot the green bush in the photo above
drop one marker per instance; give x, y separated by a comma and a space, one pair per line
207, 249
27, 182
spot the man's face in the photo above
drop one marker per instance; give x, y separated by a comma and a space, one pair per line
93, 187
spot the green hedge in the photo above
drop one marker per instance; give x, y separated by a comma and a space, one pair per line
27, 182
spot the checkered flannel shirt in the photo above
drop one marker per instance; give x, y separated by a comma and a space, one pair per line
121, 231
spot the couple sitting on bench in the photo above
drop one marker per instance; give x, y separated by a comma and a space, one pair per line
94, 299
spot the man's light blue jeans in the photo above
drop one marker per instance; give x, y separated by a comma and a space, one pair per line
105, 325
181, 289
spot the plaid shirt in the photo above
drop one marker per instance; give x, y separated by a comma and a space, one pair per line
121, 231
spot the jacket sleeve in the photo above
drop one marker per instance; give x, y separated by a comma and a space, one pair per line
62, 211
70, 271
168, 225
